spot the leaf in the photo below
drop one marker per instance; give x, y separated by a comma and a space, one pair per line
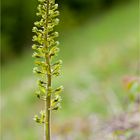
135, 87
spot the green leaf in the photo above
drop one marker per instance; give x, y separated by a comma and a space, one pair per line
135, 87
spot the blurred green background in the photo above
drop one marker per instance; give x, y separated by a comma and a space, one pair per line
99, 47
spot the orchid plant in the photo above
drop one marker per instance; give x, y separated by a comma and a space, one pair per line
45, 49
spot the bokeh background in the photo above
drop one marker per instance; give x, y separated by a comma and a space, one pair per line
99, 48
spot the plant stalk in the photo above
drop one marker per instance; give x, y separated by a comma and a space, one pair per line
47, 126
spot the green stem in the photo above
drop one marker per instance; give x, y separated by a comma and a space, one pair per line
49, 103
47, 126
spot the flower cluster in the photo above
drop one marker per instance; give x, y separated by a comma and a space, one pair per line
45, 48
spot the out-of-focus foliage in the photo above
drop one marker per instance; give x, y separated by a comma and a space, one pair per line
17, 19
132, 85
86, 5
18, 16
